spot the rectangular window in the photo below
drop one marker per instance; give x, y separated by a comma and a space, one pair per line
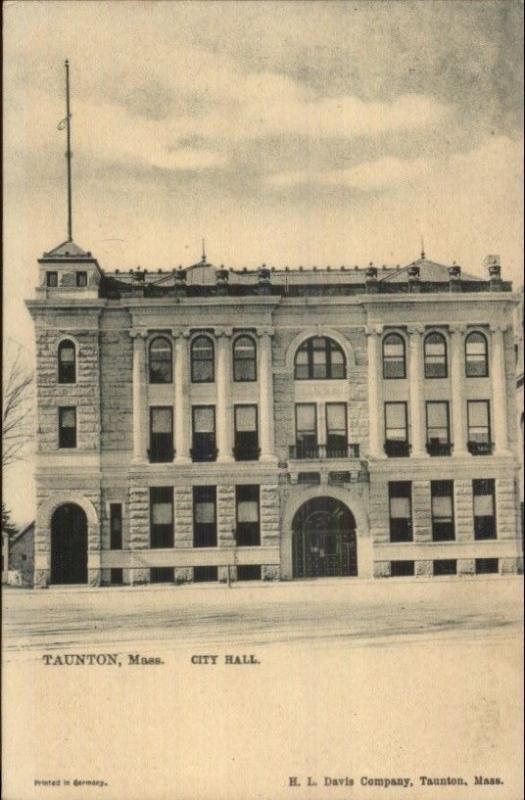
205, 574
246, 434
400, 511
161, 434
52, 279
401, 569
248, 533
161, 575
82, 279
204, 516
444, 566
306, 430
336, 430
249, 572
396, 429
161, 516
442, 501
438, 427
478, 421
487, 566
116, 577
115, 526
67, 426
204, 446
484, 497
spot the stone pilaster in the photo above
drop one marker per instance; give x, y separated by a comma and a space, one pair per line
224, 419
505, 508
225, 516
183, 517
182, 398
457, 378
375, 392
463, 510
140, 421
421, 511
269, 515
379, 512
415, 375
266, 408
139, 532
499, 390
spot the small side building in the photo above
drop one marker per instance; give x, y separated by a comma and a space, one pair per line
21, 557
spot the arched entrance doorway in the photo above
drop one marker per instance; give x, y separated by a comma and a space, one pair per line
324, 539
69, 545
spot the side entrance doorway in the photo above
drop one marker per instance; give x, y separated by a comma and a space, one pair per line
69, 540
324, 540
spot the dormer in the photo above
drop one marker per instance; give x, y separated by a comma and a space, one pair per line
68, 272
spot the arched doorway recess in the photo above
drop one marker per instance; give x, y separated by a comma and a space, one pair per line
324, 540
69, 545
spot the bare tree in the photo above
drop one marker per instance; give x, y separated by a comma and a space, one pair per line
17, 404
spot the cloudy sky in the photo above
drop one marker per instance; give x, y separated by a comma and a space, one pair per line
286, 133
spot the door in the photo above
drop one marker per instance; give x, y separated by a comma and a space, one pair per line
324, 540
69, 545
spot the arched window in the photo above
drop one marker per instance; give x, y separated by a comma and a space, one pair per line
394, 361
244, 359
476, 356
66, 362
319, 358
435, 356
160, 361
202, 360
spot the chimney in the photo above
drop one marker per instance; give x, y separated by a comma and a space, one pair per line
264, 284
371, 278
414, 278
454, 277
222, 277
493, 265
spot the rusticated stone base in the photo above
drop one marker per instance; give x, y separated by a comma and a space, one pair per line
139, 577
466, 566
94, 577
183, 575
511, 566
423, 568
381, 569
41, 579
271, 572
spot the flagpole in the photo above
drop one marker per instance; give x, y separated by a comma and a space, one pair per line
68, 157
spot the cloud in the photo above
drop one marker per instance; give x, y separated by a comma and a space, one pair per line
495, 163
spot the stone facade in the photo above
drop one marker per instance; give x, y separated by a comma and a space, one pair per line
112, 319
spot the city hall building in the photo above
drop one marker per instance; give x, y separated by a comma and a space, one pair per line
215, 424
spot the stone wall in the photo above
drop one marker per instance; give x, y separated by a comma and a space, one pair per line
84, 394
116, 383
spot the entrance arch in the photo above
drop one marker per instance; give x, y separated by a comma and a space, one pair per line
324, 539
69, 544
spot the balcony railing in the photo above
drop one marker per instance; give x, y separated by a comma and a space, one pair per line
439, 448
246, 453
396, 449
322, 451
204, 454
480, 448
161, 455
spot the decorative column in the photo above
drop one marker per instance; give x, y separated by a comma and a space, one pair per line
140, 421
182, 397
375, 392
266, 407
415, 377
499, 389
224, 419
457, 379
